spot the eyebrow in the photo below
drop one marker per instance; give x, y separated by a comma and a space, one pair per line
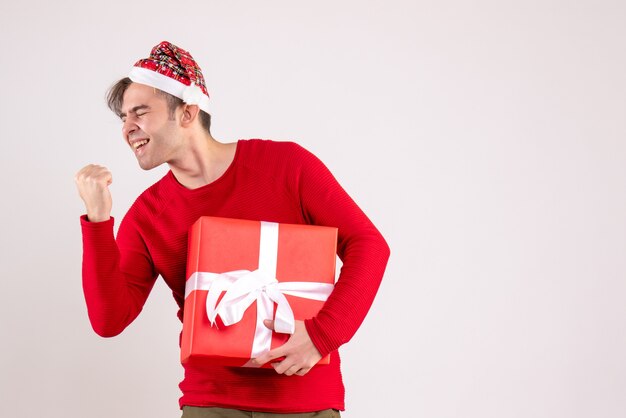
134, 110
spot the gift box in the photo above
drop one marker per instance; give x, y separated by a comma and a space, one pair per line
240, 272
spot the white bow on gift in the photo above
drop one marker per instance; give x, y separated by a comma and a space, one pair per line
244, 287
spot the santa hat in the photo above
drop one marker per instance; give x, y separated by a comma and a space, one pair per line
173, 70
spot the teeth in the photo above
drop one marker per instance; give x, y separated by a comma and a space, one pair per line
139, 143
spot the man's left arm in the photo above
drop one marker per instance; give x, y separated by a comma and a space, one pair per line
364, 254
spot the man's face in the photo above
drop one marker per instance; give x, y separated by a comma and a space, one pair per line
153, 136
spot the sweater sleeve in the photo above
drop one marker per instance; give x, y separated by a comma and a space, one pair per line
361, 247
117, 275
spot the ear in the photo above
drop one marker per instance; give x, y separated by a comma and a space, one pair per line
190, 114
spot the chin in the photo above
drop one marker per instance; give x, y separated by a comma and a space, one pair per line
148, 166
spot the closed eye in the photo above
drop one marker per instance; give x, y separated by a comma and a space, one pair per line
135, 111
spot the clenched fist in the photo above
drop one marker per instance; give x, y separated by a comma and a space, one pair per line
93, 182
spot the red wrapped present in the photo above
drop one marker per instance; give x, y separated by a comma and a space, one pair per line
241, 272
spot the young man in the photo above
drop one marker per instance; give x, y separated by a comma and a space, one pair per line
164, 109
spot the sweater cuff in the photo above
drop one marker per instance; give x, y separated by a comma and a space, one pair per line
96, 228
85, 221
321, 343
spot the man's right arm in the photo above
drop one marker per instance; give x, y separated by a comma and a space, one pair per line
117, 279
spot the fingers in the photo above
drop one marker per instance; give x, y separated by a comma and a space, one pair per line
93, 183
303, 371
269, 356
289, 362
272, 354
94, 173
294, 369
296, 357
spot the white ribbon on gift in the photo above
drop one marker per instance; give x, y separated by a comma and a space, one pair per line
244, 287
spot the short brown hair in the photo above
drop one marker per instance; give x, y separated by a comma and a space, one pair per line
115, 97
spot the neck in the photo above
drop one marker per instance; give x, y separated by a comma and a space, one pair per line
203, 161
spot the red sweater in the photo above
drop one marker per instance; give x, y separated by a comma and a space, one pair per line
270, 181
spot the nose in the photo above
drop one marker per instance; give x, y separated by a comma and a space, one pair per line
128, 127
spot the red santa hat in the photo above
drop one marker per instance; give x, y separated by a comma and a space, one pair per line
174, 71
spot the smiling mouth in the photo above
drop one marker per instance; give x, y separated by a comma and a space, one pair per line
137, 145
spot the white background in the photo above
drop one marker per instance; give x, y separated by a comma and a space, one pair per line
485, 139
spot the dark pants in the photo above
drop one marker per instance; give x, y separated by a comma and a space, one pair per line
212, 412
